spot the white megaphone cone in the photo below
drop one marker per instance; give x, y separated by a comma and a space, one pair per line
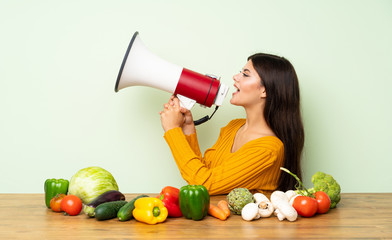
140, 67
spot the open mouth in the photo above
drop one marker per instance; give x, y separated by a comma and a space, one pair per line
236, 89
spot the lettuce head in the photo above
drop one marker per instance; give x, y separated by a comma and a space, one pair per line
89, 183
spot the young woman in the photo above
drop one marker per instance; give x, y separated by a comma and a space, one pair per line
249, 152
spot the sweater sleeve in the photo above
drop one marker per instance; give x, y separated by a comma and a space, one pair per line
239, 169
186, 158
194, 143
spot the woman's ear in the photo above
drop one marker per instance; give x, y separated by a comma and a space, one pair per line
263, 92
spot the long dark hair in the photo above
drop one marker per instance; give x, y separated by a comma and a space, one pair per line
282, 110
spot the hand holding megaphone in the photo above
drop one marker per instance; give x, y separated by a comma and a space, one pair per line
140, 67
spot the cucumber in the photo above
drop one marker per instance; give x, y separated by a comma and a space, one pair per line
125, 212
108, 210
108, 196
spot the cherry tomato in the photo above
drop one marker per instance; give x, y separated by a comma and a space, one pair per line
323, 202
305, 206
72, 205
55, 202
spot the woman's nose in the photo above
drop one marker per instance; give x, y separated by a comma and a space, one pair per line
235, 77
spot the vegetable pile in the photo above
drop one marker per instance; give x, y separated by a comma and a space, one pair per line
95, 191
288, 205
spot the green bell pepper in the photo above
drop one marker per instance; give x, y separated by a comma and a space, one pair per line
194, 201
53, 187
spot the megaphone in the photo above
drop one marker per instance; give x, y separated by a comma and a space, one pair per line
140, 67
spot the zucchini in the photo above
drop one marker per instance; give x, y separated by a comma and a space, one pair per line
108, 210
125, 212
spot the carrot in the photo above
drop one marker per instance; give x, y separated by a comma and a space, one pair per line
216, 212
222, 204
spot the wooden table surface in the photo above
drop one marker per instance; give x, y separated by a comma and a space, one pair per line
366, 216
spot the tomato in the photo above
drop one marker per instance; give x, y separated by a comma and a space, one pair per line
56, 201
72, 205
323, 202
305, 206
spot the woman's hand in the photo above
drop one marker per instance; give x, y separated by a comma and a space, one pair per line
188, 127
171, 116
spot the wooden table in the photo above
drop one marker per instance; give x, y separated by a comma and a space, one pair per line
366, 216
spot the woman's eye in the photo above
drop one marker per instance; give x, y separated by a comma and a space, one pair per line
244, 74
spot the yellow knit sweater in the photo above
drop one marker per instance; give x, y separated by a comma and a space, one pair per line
254, 166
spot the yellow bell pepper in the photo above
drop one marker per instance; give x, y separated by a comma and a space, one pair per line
150, 210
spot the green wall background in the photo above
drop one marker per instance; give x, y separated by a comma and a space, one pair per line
59, 61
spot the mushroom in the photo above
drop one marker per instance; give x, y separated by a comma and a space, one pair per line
250, 212
263, 203
291, 195
284, 210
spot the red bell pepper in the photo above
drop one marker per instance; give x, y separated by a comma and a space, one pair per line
170, 198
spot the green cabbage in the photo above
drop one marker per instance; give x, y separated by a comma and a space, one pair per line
89, 183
